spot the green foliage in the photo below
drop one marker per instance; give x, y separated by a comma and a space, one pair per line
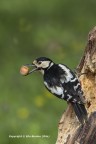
28, 29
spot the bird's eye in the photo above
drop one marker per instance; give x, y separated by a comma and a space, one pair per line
39, 62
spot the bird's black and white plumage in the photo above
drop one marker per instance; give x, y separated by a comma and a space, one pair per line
63, 83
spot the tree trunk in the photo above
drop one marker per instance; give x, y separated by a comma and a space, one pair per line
70, 131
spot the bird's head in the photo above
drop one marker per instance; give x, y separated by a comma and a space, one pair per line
40, 64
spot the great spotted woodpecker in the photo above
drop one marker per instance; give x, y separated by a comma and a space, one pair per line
63, 83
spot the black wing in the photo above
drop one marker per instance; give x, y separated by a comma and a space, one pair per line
74, 94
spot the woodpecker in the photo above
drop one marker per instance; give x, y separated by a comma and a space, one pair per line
62, 82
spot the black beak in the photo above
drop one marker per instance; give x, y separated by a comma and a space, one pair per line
33, 70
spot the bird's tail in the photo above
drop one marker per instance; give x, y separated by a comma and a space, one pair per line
80, 112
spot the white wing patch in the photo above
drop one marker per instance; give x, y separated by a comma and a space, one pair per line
73, 80
55, 90
62, 80
69, 76
75, 87
69, 97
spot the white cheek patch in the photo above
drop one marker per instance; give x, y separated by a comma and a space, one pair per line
45, 64
55, 90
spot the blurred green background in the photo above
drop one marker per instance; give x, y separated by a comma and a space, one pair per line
56, 29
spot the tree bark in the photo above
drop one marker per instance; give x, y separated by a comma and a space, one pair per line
70, 131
